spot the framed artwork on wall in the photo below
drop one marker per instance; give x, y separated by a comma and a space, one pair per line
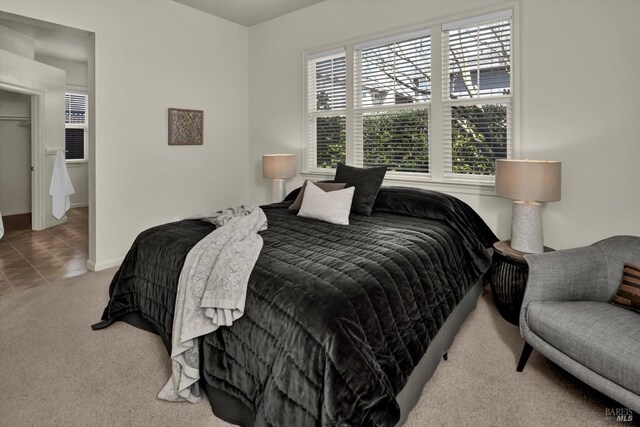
185, 127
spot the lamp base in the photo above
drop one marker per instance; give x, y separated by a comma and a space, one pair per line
526, 227
277, 191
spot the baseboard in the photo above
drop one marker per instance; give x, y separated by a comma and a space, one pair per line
79, 205
93, 266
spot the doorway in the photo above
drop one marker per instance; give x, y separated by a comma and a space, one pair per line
38, 247
15, 161
30, 257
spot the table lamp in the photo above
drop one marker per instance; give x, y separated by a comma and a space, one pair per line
528, 182
278, 167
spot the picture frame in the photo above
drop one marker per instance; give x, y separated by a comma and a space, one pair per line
186, 127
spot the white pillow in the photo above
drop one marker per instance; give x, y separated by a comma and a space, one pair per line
331, 206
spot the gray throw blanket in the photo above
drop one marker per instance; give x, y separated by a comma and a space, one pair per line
211, 292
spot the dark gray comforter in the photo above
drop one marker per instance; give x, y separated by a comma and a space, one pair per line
336, 316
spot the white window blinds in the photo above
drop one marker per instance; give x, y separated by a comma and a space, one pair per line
326, 97
477, 104
373, 103
75, 107
75, 118
392, 79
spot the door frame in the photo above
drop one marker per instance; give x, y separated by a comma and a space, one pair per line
38, 179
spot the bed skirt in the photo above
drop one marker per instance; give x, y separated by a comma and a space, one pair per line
232, 410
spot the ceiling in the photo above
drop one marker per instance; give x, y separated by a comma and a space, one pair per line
72, 44
248, 12
50, 39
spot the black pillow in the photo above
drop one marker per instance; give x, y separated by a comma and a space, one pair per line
367, 182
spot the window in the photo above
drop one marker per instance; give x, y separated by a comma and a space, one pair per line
75, 119
392, 79
381, 114
477, 89
327, 101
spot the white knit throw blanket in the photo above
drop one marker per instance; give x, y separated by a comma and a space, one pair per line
211, 293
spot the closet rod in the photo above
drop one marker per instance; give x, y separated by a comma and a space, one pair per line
8, 117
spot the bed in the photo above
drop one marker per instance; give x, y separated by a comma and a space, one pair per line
343, 325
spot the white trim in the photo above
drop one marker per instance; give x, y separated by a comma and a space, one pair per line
395, 107
494, 99
326, 54
91, 265
349, 116
517, 74
72, 90
79, 205
76, 89
436, 145
478, 188
392, 39
38, 161
502, 15
77, 163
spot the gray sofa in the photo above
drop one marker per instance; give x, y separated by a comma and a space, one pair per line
566, 316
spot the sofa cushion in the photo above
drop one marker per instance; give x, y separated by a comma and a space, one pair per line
598, 335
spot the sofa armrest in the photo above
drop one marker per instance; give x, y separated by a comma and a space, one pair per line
568, 275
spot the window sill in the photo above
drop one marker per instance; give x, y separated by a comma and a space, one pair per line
77, 163
450, 186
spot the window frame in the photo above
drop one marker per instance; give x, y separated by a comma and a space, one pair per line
437, 177
360, 110
312, 116
84, 126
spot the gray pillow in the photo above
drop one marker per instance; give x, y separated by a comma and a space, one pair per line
367, 182
326, 186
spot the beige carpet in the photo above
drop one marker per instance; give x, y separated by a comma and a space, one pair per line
54, 370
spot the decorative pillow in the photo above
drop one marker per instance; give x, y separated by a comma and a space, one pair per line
329, 206
367, 182
326, 186
628, 295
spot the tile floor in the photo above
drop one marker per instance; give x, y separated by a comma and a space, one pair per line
36, 258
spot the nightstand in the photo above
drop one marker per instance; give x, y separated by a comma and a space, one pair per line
508, 278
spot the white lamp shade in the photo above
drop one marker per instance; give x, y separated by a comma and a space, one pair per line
529, 180
278, 166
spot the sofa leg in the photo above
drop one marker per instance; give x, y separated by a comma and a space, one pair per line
446, 356
526, 352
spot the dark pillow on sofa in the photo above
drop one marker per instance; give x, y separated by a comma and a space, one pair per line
628, 295
367, 182
326, 186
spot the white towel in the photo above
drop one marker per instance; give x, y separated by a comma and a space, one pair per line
1, 226
61, 188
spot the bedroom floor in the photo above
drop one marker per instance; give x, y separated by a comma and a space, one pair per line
36, 258
477, 386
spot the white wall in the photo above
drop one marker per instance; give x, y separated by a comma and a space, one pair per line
15, 154
150, 56
76, 71
581, 107
18, 43
578, 101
